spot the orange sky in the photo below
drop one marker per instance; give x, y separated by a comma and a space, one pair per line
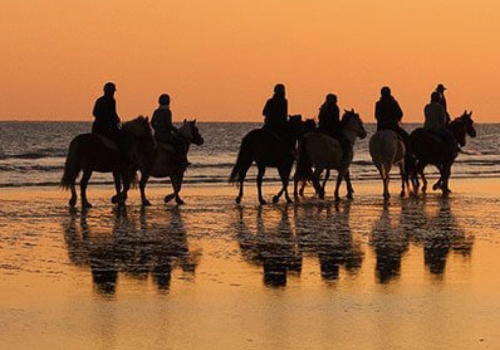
219, 59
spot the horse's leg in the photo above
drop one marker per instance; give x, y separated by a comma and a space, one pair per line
350, 189
243, 174
439, 183
83, 188
302, 188
384, 174
404, 179
316, 184
327, 177
260, 178
420, 171
446, 178
74, 196
285, 179
177, 182
340, 175
142, 187
117, 198
296, 191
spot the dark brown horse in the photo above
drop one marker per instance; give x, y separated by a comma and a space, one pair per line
267, 149
91, 152
429, 149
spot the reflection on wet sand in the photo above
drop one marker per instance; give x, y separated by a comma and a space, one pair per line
325, 230
440, 235
279, 247
136, 250
273, 247
389, 242
436, 231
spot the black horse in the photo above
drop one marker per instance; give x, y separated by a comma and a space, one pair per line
429, 149
268, 149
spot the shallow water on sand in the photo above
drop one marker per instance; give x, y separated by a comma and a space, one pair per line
413, 273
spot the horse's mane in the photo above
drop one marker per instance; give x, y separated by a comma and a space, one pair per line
346, 117
136, 124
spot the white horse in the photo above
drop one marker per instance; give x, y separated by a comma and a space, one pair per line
325, 153
386, 150
163, 161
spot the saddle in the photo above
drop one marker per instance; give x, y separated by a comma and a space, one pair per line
109, 143
166, 147
434, 136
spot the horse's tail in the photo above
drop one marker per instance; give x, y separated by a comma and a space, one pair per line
72, 166
243, 162
304, 164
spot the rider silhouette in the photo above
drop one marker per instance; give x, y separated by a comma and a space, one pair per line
435, 118
329, 124
165, 131
276, 111
107, 122
440, 89
389, 114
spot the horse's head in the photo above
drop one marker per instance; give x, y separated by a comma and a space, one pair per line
309, 125
352, 121
190, 131
140, 130
463, 126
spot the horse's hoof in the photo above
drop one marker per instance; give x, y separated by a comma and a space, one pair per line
297, 199
169, 198
276, 199
436, 187
402, 194
262, 202
72, 202
238, 200
146, 203
337, 199
289, 200
349, 196
179, 201
114, 199
86, 205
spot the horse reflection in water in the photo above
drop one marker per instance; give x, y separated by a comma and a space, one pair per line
389, 242
135, 250
324, 230
441, 234
275, 249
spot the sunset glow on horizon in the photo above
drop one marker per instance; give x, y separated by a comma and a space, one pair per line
220, 59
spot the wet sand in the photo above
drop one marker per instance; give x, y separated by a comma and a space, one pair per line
411, 274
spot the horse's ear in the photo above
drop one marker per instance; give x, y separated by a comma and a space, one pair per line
184, 121
147, 119
194, 122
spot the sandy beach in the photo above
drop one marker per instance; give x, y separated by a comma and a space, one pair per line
416, 273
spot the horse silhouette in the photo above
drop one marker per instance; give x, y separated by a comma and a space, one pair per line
268, 149
92, 152
386, 150
324, 152
428, 149
163, 162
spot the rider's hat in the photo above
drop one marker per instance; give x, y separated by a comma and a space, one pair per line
440, 87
